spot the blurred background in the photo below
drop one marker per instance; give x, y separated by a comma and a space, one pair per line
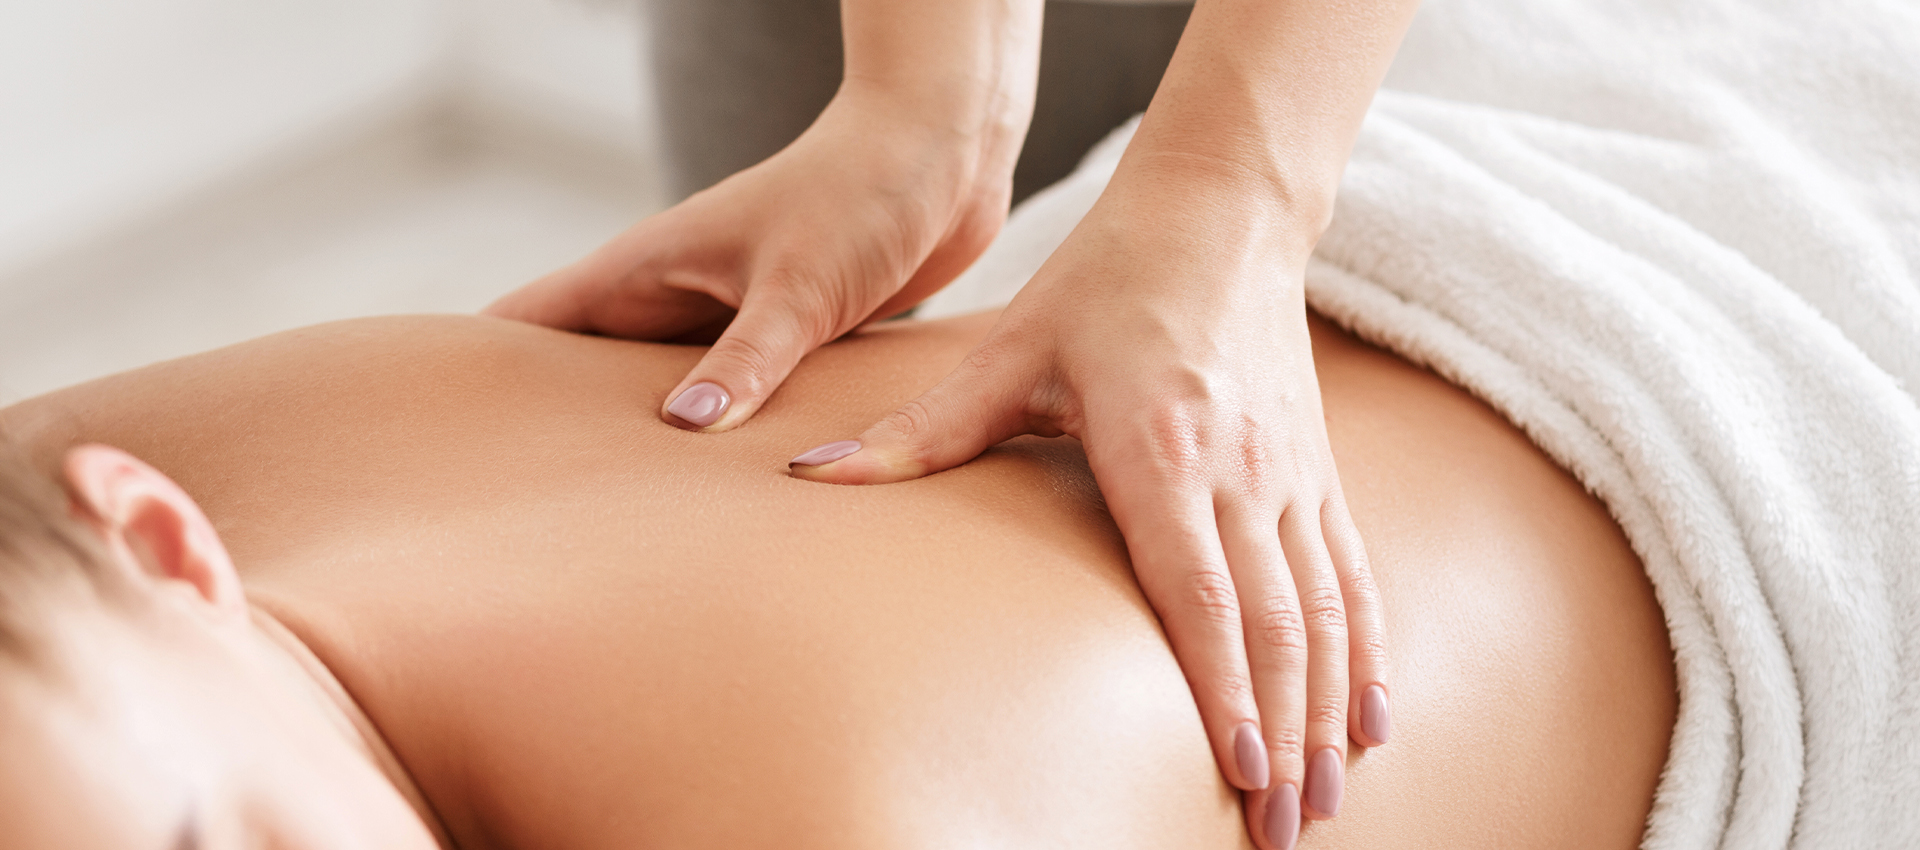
177, 175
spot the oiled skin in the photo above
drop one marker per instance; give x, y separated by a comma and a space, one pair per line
582, 628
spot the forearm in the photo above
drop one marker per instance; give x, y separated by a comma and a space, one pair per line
1261, 105
966, 68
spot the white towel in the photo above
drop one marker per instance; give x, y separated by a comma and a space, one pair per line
1677, 243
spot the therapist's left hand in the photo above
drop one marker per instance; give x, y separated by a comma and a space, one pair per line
1169, 335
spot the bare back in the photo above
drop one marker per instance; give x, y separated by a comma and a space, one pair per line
580, 627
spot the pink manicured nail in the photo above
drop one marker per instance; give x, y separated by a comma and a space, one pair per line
1325, 778
826, 454
1283, 818
701, 404
1376, 720
1252, 756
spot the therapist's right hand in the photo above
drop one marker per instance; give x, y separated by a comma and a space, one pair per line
871, 210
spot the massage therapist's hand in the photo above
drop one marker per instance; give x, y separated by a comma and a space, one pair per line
1169, 335
870, 211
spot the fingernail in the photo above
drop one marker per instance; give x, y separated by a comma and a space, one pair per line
700, 404
1376, 720
826, 454
1283, 817
1325, 776
1251, 753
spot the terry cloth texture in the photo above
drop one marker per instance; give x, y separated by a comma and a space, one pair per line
1676, 243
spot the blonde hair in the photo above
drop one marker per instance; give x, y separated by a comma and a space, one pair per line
43, 547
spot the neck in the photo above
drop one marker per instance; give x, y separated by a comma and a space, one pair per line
353, 722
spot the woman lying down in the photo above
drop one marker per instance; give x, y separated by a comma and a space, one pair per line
464, 592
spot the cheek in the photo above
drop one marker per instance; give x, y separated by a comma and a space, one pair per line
70, 784
339, 801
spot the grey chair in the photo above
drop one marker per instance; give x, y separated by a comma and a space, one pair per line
739, 79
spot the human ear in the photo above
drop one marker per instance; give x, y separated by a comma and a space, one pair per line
152, 527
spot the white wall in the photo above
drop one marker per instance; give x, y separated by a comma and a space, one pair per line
110, 108
576, 65
112, 111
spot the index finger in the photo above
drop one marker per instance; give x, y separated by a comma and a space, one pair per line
1171, 536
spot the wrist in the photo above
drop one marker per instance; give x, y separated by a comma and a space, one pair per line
953, 137
1229, 205
965, 70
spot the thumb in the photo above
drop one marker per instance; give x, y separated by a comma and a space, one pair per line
971, 410
746, 364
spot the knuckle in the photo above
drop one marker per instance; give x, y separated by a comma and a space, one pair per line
749, 356
1359, 583
996, 361
1324, 611
1201, 431
913, 420
1172, 439
1256, 453
1286, 741
1328, 713
916, 427
1210, 594
991, 357
1257, 470
1280, 628
1368, 650
1235, 688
